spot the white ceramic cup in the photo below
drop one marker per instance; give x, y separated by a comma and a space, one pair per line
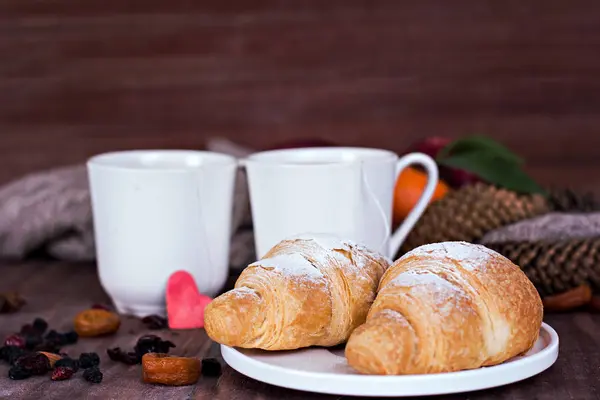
342, 191
156, 212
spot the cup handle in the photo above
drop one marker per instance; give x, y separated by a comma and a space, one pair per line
430, 166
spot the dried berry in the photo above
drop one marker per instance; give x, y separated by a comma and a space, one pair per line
10, 302
27, 329
155, 322
35, 363
52, 357
69, 363
40, 325
10, 354
15, 340
93, 375
62, 373
130, 358
18, 373
88, 360
152, 344
60, 339
32, 341
169, 370
211, 367
55, 337
96, 322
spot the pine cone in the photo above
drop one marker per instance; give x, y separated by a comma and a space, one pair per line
556, 266
470, 212
567, 200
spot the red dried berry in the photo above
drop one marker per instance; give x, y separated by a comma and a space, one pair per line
62, 373
15, 340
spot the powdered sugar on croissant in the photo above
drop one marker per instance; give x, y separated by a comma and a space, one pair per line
309, 290
447, 307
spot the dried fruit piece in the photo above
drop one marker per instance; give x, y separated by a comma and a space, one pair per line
88, 360
58, 339
152, 344
568, 300
96, 322
18, 373
62, 373
69, 363
52, 357
39, 325
93, 375
155, 322
169, 370
16, 340
10, 302
10, 354
35, 363
130, 358
211, 367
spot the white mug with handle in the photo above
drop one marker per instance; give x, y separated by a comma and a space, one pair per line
343, 191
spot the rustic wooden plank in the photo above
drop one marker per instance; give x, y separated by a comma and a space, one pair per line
56, 291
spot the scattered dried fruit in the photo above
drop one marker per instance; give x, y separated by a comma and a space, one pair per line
96, 322
93, 375
152, 344
168, 370
211, 367
10, 302
89, 360
18, 373
130, 358
52, 357
62, 373
155, 322
35, 363
68, 363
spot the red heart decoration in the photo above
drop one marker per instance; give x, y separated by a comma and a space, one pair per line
185, 303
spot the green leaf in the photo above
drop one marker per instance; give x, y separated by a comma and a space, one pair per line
497, 171
480, 143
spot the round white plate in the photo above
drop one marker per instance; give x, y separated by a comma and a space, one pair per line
326, 371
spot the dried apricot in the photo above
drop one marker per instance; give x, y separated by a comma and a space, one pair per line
96, 322
169, 370
53, 358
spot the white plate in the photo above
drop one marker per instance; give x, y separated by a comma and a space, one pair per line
326, 371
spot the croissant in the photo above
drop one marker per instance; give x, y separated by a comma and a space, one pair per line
306, 291
447, 307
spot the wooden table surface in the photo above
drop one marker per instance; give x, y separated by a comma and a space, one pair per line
57, 291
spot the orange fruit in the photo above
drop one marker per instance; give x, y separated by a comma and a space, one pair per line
409, 186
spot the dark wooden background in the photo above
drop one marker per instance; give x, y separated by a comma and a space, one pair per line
82, 77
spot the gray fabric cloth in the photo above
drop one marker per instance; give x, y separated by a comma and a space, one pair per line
552, 226
51, 211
